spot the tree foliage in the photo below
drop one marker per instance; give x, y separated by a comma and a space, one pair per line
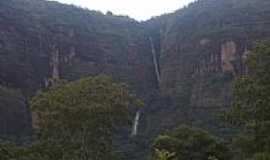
76, 121
190, 143
251, 105
163, 155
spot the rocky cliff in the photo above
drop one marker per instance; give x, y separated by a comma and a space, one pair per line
42, 42
202, 48
182, 64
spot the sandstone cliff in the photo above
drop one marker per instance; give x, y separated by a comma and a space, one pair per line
182, 64
201, 49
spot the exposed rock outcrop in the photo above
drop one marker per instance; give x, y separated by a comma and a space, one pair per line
228, 56
202, 48
55, 63
42, 42
183, 73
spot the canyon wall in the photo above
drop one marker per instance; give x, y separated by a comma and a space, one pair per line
181, 64
42, 42
201, 49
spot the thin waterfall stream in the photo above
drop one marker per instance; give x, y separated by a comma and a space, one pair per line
154, 54
138, 113
136, 123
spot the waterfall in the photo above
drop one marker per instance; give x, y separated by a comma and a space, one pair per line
155, 59
136, 123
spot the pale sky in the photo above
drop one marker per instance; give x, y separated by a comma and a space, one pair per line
138, 9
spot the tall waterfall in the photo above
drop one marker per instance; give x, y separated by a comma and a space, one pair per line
154, 54
136, 123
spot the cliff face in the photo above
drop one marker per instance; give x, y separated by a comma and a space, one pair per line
208, 39
42, 42
182, 64
201, 49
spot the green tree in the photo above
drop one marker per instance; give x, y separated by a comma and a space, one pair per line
76, 121
10, 151
5, 151
163, 155
261, 156
191, 143
251, 104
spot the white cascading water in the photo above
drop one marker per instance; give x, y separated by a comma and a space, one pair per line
136, 124
154, 54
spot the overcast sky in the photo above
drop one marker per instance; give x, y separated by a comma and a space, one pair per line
138, 9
